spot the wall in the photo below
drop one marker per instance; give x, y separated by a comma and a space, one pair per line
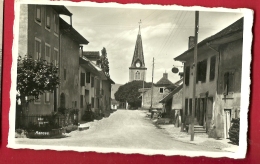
38, 30
230, 60
177, 100
107, 95
132, 74
157, 96
69, 61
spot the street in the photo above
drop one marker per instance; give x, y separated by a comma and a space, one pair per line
123, 129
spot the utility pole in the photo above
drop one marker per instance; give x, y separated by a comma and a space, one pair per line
194, 73
152, 86
143, 93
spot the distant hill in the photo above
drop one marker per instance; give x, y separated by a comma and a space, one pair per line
114, 89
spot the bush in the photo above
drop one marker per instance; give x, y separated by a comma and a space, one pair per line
234, 131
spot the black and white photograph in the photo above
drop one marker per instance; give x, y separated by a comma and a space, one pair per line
132, 78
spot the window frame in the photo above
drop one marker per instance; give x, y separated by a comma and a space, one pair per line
56, 62
49, 57
39, 55
47, 15
37, 19
162, 90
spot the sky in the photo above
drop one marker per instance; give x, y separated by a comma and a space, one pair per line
164, 35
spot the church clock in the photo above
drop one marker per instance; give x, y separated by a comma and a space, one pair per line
137, 64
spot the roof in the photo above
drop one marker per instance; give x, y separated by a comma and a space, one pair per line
71, 32
92, 55
114, 102
235, 28
91, 67
138, 52
164, 81
169, 96
61, 10
176, 84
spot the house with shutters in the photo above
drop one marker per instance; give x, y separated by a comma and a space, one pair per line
39, 37
95, 85
218, 82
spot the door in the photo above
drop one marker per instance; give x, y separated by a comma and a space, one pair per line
227, 121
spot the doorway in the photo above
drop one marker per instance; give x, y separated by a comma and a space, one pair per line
227, 117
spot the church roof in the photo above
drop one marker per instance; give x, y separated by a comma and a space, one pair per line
164, 81
138, 52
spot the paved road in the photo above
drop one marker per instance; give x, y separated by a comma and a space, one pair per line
123, 129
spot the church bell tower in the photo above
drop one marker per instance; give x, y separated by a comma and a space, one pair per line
137, 70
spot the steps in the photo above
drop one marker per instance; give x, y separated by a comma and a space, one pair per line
199, 129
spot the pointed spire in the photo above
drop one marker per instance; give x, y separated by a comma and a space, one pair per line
139, 32
138, 56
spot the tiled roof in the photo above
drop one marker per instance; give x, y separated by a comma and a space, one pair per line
169, 96
231, 29
91, 55
72, 33
164, 81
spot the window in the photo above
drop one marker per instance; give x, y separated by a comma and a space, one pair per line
190, 106
82, 79
65, 72
38, 13
56, 57
186, 107
201, 71
47, 97
48, 18
228, 82
161, 90
92, 102
187, 75
47, 52
137, 75
88, 77
56, 23
81, 101
92, 81
212, 68
37, 49
38, 101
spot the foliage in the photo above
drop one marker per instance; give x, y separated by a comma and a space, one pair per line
34, 77
129, 92
234, 131
104, 61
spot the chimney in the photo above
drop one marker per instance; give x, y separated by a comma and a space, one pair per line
165, 75
191, 42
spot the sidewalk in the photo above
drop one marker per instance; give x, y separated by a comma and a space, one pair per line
199, 139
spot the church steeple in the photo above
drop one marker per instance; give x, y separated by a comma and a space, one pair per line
138, 56
137, 70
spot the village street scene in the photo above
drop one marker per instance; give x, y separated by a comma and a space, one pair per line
128, 78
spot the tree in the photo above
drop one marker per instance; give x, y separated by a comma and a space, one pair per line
104, 61
35, 77
129, 92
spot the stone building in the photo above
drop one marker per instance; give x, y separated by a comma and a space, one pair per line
39, 37
157, 92
218, 83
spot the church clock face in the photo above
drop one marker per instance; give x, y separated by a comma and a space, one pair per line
138, 64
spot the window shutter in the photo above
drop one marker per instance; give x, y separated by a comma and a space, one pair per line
88, 77
81, 101
82, 79
187, 76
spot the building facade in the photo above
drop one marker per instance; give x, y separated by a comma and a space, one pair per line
39, 38
218, 82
